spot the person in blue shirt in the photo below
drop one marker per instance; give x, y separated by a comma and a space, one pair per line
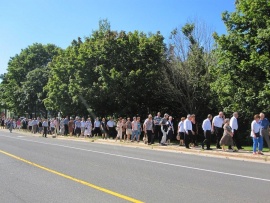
264, 128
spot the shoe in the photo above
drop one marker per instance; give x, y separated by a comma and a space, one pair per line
235, 150
260, 153
219, 148
210, 149
188, 148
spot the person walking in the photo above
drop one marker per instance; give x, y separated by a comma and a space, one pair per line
227, 138
128, 129
71, 126
170, 132
66, 121
234, 126
255, 134
119, 129
149, 129
134, 127
188, 131
217, 127
157, 127
45, 126
264, 128
181, 131
206, 126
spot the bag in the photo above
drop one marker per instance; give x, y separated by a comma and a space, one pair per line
178, 137
145, 139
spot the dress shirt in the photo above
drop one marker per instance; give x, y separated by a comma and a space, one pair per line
77, 124
110, 124
218, 122
187, 125
206, 125
264, 123
45, 124
181, 127
83, 124
234, 123
97, 124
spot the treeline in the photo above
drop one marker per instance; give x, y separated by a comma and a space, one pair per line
126, 73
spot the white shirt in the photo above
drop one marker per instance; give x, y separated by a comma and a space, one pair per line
206, 125
181, 127
234, 123
187, 125
218, 122
255, 127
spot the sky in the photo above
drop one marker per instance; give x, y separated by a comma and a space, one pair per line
24, 22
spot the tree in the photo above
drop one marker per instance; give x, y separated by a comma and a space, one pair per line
27, 74
187, 78
110, 73
242, 74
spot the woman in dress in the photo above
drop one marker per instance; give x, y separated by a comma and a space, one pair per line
119, 129
256, 136
170, 130
88, 128
70, 126
227, 138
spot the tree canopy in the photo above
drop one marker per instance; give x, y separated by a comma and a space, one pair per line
242, 73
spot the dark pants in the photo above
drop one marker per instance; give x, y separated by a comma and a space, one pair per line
97, 131
158, 133
77, 131
45, 131
150, 137
207, 139
187, 138
66, 129
237, 139
219, 133
111, 132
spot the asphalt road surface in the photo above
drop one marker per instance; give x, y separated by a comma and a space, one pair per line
36, 169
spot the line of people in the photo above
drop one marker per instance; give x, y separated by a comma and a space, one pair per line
162, 128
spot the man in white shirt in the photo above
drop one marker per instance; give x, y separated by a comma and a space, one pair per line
217, 127
188, 131
206, 126
234, 126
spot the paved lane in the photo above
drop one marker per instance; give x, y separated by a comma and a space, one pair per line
146, 175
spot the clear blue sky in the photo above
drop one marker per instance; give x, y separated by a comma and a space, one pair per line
24, 22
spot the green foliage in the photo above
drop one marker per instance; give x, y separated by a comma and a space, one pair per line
27, 75
107, 73
187, 75
242, 74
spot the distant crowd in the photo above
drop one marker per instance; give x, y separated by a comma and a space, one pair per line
224, 130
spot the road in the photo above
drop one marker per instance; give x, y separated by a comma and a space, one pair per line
36, 169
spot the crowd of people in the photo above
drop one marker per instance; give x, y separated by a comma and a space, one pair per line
224, 130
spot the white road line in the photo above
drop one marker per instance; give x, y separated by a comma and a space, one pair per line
145, 160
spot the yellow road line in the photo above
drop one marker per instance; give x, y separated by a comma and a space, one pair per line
130, 199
